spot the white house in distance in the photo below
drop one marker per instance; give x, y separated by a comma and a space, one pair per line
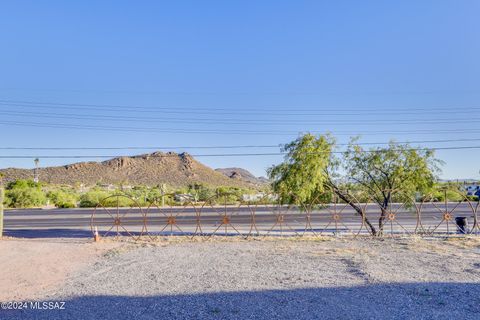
258, 196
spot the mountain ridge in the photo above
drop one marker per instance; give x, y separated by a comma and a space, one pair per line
242, 174
173, 169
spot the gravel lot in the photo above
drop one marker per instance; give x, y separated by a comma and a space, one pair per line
280, 278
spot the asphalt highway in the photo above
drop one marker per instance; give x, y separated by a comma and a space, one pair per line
230, 220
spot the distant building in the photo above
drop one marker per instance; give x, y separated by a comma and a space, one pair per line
253, 197
184, 197
259, 196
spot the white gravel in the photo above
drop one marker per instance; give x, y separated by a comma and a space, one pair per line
275, 279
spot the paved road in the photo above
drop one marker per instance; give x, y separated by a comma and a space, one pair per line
229, 220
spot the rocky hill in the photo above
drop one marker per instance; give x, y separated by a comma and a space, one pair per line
242, 175
176, 170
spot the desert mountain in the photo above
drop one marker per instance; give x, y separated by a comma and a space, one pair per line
242, 175
176, 170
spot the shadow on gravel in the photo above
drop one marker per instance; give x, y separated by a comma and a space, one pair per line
56, 233
47, 233
381, 301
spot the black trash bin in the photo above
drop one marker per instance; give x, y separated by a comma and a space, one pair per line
462, 224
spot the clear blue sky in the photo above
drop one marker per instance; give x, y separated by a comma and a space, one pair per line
250, 72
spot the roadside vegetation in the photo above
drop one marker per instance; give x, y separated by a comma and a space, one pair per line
397, 173
313, 171
24, 194
28, 194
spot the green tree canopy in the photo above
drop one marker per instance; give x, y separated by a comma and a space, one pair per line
24, 194
396, 169
309, 168
303, 174
395, 172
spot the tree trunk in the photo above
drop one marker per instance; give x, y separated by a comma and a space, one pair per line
383, 215
359, 210
381, 220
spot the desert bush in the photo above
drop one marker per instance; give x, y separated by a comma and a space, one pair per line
113, 201
63, 198
472, 198
24, 194
451, 196
92, 198
201, 192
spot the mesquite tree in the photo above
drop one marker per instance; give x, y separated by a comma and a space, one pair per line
395, 169
310, 168
301, 177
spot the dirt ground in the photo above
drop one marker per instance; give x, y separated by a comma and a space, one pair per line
32, 267
330, 277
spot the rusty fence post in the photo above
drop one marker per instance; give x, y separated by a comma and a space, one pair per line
2, 196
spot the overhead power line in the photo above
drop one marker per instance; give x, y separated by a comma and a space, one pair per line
217, 155
142, 148
225, 146
260, 111
231, 131
186, 120
269, 109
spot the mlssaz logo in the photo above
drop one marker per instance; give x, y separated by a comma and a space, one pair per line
48, 305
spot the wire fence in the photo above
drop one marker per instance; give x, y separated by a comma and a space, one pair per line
229, 215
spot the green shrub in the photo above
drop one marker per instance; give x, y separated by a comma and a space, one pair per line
120, 201
201, 192
92, 198
451, 196
63, 199
472, 198
97, 197
24, 194
154, 195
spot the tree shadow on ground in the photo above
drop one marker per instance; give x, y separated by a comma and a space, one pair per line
377, 301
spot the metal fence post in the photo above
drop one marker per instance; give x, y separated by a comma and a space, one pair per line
2, 196
163, 189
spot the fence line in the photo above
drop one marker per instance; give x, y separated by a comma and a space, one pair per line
227, 215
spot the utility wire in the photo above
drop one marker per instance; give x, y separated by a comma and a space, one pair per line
237, 132
221, 154
235, 121
276, 109
273, 113
224, 147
